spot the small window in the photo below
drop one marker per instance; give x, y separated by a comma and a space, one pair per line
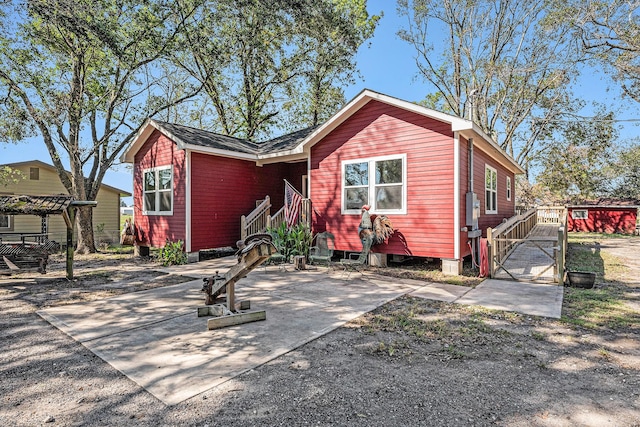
34, 174
491, 190
580, 214
509, 188
158, 191
379, 182
5, 222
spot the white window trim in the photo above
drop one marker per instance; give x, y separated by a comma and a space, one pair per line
493, 170
9, 221
574, 216
157, 191
509, 188
372, 186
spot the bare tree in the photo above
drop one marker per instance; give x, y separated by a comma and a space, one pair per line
498, 62
610, 34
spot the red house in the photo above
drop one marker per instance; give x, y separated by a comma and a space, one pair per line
438, 177
604, 216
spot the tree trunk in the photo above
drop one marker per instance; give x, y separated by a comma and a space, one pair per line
84, 221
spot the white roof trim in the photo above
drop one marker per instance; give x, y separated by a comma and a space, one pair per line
141, 137
216, 151
466, 127
458, 124
150, 125
299, 149
367, 95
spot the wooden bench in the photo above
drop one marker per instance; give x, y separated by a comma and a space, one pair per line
19, 257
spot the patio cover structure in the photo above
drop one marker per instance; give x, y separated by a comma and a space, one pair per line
42, 206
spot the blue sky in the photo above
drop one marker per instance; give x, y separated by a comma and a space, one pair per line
387, 65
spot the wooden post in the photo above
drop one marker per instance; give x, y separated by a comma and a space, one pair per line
560, 256
243, 227
491, 250
71, 212
267, 214
231, 296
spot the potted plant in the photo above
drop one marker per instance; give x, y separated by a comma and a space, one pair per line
582, 279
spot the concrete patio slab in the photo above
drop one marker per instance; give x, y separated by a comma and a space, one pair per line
536, 299
441, 292
88, 321
155, 338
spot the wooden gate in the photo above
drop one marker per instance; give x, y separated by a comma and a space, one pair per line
530, 246
530, 260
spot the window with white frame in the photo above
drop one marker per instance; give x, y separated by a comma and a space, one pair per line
158, 191
490, 190
379, 182
579, 214
5, 222
509, 188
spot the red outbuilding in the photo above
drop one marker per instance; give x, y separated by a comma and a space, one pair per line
439, 179
604, 216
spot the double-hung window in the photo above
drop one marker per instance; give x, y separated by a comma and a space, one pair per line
158, 191
509, 188
490, 190
379, 182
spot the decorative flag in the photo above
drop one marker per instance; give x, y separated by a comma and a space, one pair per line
292, 202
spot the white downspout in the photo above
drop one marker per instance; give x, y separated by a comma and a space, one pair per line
456, 196
309, 174
187, 183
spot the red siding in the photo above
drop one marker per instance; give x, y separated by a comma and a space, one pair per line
506, 208
223, 189
464, 189
375, 130
604, 220
159, 150
427, 229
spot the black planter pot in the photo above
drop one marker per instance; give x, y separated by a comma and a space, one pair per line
580, 279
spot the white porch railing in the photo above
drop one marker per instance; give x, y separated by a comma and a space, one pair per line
304, 216
552, 215
261, 219
276, 219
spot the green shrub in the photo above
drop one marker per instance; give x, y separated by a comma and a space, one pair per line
173, 253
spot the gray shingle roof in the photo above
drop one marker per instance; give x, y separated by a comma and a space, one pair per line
204, 138
286, 142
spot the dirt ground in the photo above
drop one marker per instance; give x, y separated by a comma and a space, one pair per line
411, 362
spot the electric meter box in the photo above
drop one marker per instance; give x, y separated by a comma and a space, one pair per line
473, 210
